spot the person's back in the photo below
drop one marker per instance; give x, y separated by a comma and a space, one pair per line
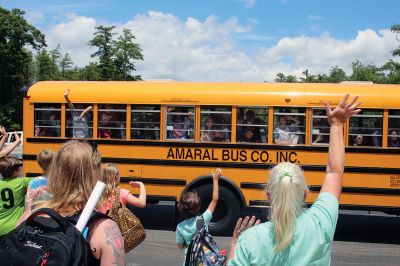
13, 190
311, 244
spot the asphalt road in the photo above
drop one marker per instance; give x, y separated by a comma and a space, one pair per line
360, 239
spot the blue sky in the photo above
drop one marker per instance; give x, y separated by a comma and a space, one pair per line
221, 40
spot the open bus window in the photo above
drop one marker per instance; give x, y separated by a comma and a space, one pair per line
215, 123
79, 124
145, 122
394, 129
289, 125
180, 122
320, 127
47, 120
366, 128
251, 125
112, 121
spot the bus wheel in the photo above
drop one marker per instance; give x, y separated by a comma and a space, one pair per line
227, 212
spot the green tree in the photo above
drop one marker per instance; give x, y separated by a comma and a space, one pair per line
103, 40
126, 52
366, 73
90, 72
280, 77
16, 34
55, 56
307, 77
66, 65
44, 66
337, 75
396, 29
291, 79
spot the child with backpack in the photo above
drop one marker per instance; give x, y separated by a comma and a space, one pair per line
189, 207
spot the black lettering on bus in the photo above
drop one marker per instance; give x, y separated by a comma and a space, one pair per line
206, 155
197, 153
292, 157
234, 155
225, 155
254, 156
180, 153
170, 154
243, 156
189, 154
213, 157
264, 156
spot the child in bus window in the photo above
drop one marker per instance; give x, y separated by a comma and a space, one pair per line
80, 128
394, 140
359, 141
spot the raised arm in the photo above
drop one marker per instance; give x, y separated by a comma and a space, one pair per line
335, 167
7, 150
141, 200
4, 135
66, 96
88, 109
215, 196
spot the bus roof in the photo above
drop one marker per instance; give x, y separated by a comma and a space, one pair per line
214, 93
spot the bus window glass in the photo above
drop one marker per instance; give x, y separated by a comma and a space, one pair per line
145, 122
289, 125
366, 128
112, 121
394, 129
79, 122
320, 127
47, 120
180, 122
251, 125
215, 123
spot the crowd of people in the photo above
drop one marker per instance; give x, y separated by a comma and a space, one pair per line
292, 236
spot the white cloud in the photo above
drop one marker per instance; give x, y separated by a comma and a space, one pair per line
34, 17
315, 17
248, 3
207, 50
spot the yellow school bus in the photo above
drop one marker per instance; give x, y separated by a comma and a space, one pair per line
170, 135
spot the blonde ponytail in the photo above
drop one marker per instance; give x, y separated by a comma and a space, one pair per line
286, 188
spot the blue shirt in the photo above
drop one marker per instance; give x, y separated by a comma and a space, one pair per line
310, 245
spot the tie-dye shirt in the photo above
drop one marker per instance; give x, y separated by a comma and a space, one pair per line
37, 191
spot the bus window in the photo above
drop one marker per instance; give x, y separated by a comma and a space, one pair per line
47, 120
289, 124
79, 122
394, 129
112, 121
145, 122
320, 127
180, 122
366, 128
251, 125
215, 123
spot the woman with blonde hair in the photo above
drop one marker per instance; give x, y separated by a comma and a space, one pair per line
73, 174
111, 177
295, 236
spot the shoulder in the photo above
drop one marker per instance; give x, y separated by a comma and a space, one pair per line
104, 232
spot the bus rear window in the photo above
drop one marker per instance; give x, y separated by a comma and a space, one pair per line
366, 128
112, 121
47, 120
251, 125
394, 129
145, 122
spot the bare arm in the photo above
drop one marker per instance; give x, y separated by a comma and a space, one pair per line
181, 246
108, 243
141, 200
88, 109
241, 225
335, 167
215, 196
66, 96
6, 151
4, 135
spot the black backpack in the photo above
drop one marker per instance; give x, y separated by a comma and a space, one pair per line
202, 249
53, 241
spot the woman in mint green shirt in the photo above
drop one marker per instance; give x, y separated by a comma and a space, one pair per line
295, 236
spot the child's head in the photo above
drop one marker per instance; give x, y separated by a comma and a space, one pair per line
10, 167
111, 177
44, 159
189, 204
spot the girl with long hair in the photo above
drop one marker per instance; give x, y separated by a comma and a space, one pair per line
295, 236
111, 177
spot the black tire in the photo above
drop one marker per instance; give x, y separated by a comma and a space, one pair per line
227, 212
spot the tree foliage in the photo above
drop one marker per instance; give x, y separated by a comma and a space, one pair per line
16, 34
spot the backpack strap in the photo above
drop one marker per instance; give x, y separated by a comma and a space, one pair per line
200, 223
53, 215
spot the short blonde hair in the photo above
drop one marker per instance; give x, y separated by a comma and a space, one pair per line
286, 189
44, 158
